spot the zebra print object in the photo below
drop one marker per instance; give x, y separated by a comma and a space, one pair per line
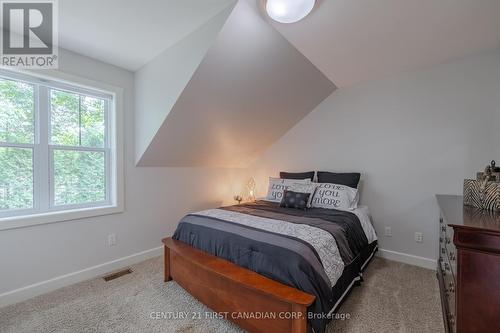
482, 194
480, 216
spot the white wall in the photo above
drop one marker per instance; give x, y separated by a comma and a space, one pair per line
411, 136
155, 200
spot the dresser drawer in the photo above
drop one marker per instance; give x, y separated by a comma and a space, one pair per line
450, 292
446, 247
469, 267
446, 287
451, 250
446, 269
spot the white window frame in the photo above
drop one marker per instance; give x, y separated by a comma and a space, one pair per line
44, 210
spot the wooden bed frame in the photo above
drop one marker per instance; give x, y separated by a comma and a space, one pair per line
252, 301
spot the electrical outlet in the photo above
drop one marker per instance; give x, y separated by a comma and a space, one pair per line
419, 237
111, 239
388, 231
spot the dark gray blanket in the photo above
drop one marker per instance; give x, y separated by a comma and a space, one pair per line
344, 226
283, 258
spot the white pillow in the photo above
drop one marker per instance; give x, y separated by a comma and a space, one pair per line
333, 196
278, 185
305, 188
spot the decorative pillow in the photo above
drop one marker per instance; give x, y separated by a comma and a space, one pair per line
305, 188
295, 200
277, 186
335, 196
350, 179
297, 175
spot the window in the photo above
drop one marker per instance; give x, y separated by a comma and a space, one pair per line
57, 147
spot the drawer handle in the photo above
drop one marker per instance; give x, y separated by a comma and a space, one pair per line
440, 239
451, 318
442, 250
443, 228
451, 287
448, 240
440, 220
446, 266
451, 256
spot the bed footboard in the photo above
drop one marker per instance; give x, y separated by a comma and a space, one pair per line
252, 301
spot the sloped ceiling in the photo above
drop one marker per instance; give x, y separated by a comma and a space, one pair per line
130, 33
250, 88
353, 41
349, 41
217, 81
159, 84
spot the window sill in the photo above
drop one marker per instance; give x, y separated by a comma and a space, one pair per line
14, 222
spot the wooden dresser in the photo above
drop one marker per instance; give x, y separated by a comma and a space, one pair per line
469, 266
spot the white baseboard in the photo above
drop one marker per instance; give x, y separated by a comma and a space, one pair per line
43, 287
407, 259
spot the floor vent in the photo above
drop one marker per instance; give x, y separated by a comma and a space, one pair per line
117, 274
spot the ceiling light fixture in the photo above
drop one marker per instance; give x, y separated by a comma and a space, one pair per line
289, 11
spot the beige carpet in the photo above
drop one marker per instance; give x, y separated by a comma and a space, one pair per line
394, 298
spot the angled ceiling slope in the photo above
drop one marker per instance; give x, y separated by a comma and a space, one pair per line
251, 87
130, 33
357, 41
159, 83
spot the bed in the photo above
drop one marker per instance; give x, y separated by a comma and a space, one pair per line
266, 267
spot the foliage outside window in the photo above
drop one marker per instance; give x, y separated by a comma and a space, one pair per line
54, 147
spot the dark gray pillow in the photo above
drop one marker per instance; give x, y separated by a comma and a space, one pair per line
350, 179
297, 175
295, 200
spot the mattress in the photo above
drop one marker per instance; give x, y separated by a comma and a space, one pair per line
319, 251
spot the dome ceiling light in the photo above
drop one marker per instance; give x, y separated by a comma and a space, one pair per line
289, 11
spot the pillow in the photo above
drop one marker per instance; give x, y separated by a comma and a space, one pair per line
295, 200
350, 179
277, 186
297, 175
335, 196
305, 188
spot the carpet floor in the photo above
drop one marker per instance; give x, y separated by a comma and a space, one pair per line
393, 298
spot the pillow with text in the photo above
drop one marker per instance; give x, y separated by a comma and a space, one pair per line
334, 196
278, 185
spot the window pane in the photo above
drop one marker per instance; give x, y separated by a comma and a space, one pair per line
92, 122
65, 118
16, 178
79, 177
17, 112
